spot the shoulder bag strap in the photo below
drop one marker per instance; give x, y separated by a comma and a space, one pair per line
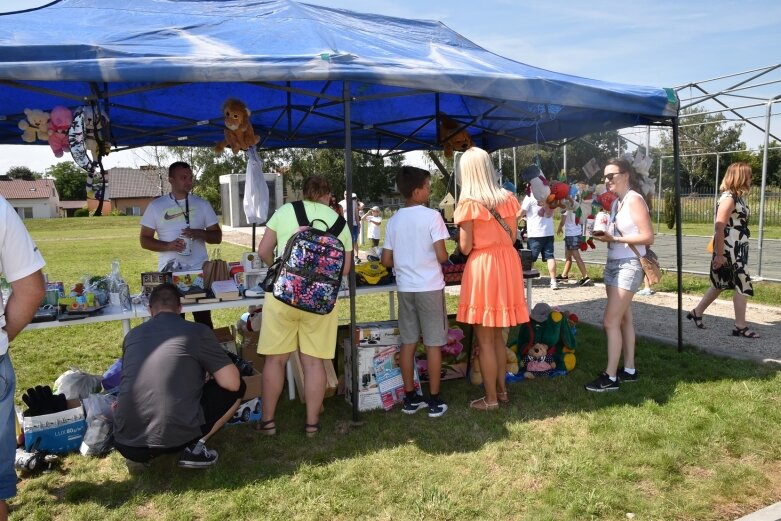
499, 218
338, 225
303, 220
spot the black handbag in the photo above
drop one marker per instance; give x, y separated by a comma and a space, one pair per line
271, 275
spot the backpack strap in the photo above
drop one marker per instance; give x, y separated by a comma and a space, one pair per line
303, 220
338, 226
335, 229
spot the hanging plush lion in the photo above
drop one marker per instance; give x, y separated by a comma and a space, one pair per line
450, 139
239, 134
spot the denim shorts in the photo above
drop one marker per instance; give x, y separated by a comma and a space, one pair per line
7, 429
624, 273
572, 242
541, 245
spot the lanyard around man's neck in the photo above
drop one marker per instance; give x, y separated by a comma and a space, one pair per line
186, 209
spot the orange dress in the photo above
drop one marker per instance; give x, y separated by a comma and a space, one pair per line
492, 285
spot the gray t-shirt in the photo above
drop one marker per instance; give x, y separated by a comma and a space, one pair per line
163, 367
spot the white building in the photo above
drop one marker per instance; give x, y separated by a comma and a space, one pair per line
31, 199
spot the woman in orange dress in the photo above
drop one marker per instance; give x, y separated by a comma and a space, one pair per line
492, 285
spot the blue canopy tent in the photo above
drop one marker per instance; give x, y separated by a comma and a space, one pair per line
313, 77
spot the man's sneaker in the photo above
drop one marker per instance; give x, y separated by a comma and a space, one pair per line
646, 292
436, 407
554, 285
562, 277
602, 383
413, 403
623, 376
585, 281
202, 459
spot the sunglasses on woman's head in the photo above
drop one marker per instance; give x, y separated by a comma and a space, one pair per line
609, 177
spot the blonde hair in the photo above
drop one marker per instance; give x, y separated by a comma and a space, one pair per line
737, 180
478, 179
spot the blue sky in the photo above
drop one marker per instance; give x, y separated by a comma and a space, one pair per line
664, 43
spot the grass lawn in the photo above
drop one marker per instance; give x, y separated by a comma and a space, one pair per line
695, 438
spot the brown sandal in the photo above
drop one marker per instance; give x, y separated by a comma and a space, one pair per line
691, 315
503, 397
268, 427
745, 332
481, 405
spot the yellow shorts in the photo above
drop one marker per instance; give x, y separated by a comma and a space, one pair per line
285, 329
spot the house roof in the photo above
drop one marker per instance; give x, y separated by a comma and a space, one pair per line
19, 189
124, 183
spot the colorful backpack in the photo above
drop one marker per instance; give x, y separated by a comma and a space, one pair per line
310, 269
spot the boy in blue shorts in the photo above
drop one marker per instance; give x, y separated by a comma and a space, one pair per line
415, 249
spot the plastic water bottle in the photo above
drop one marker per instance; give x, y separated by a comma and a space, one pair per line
188, 245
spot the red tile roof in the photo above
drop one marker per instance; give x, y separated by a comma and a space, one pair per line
18, 189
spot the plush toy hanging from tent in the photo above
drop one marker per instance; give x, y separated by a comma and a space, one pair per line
239, 134
450, 137
86, 133
60, 121
34, 127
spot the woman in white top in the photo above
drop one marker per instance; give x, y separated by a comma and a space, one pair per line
623, 272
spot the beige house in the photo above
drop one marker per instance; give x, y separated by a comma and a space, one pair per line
36, 199
130, 190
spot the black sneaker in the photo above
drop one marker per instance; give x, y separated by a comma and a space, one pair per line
413, 403
202, 459
602, 383
623, 376
562, 277
585, 281
436, 407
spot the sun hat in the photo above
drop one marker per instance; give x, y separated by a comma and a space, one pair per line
540, 312
375, 208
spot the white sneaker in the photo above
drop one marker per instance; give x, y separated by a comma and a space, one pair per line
554, 285
646, 292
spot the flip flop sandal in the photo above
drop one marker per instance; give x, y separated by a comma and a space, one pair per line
268, 427
503, 397
312, 429
481, 405
745, 332
691, 315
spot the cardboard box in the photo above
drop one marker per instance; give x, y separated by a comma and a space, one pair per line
385, 333
57, 433
379, 376
227, 339
254, 385
331, 380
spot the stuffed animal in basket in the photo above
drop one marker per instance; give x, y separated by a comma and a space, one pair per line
537, 362
35, 126
239, 134
451, 138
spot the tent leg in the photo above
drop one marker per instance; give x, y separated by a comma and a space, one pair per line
348, 172
678, 238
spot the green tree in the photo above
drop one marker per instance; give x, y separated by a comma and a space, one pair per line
701, 135
70, 181
22, 172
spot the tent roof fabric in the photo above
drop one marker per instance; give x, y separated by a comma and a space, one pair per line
162, 68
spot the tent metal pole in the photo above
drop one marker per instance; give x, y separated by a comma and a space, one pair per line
678, 237
660, 199
764, 181
348, 173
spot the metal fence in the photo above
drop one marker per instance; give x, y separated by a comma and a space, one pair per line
700, 207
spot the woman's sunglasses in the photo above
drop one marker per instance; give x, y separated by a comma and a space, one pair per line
609, 177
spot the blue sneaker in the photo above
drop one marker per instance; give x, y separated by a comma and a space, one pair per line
413, 403
436, 407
